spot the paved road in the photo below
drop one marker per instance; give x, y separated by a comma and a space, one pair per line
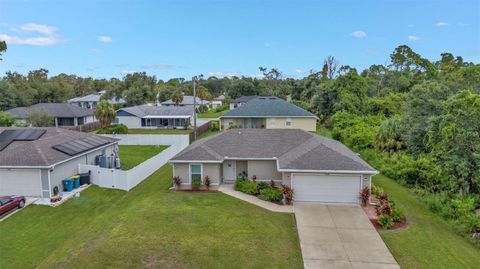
340, 236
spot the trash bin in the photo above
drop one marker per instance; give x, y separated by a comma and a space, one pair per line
68, 184
76, 181
84, 178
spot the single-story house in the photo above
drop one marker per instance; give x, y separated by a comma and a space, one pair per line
240, 101
63, 114
187, 101
217, 101
90, 101
145, 116
269, 112
33, 161
318, 169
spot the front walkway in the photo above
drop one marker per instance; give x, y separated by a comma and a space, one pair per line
340, 236
228, 189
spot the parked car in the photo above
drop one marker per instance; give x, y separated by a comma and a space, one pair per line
9, 203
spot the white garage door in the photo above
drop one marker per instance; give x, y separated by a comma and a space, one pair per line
326, 188
20, 182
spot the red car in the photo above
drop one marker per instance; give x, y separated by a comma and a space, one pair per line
9, 203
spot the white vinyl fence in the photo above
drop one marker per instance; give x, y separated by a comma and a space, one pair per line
126, 180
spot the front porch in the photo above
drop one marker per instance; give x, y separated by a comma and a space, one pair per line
260, 170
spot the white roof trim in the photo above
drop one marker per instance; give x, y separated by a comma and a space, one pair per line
167, 116
329, 171
193, 161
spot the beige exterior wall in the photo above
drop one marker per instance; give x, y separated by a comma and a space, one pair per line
212, 170
264, 170
240, 167
287, 179
307, 124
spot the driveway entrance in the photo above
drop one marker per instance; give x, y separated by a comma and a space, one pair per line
339, 236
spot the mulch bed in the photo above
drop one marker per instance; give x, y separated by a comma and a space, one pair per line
371, 212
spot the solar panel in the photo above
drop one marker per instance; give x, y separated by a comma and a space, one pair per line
80, 145
8, 136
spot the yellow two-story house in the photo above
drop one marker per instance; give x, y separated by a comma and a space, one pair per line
269, 112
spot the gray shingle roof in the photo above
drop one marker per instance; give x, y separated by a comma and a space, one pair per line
294, 149
268, 106
187, 100
40, 152
145, 110
95, 97
60, 110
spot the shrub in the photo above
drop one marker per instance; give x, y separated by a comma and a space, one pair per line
238, 183
385, 209
288, 194
271, 194
177, 181
254, 178
246, 186
397, 214
196, 183
365, 195
385, 221
262, 186
272, 183
203, 108
207, 182
114, 129
243, 175
215, 126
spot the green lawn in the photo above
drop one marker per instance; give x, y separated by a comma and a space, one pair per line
149, 227
212, 114
131, 156
207, 134
429, 241
159, 131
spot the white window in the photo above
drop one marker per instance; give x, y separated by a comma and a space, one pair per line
195, 172
288, 122
272, 121
230, 123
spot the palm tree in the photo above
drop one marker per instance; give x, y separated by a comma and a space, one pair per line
177, 97
202, 92
105, 113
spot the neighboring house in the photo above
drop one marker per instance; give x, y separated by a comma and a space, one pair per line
64, 114
90, 101
35, 160
240, 101
187, 101
145, 116
317, 168
269, 112
217, 101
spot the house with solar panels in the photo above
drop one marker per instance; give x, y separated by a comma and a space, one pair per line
34, 161
165, 117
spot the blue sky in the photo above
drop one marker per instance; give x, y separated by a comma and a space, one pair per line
185, 38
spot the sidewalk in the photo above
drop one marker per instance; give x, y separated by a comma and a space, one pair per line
228, 189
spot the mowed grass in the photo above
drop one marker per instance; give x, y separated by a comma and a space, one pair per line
149, 227
159, 131
428, 241
211, 114
131, 156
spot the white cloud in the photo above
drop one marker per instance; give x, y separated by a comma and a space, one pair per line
442, 24
33, 41
359, 34
126, 72
95, 50
157, 66
413, 38
298, 71
105, 39
47, 35
224, 74
38, 28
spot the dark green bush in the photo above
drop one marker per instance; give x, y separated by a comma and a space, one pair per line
271, 194
386, 221
246, 186
196, 183
114, 129
262, 186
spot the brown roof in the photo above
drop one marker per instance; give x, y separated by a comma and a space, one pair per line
40, 152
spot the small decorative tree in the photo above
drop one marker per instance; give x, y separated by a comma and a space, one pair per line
365, 195
287, 193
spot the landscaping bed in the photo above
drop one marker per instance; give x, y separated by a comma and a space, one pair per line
382, 211
271, 192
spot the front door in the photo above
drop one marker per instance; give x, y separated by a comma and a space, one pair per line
229, 168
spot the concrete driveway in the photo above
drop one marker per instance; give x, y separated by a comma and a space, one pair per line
340, 236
